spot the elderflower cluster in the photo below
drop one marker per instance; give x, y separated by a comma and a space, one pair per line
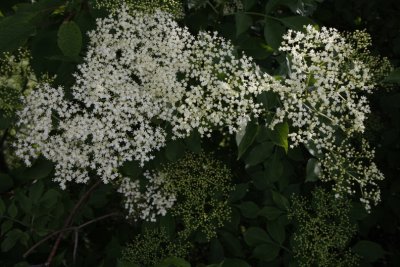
324, 88
353, 170
142, 73
16, 78
173, 7
323, 230
149, 204
324, 98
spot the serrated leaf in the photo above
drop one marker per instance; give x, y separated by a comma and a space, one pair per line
313, 170
69, 39
247, 139
273, 32
243, 22
255, 236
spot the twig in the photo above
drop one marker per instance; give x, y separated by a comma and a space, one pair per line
68, 229
76, 238
68, 221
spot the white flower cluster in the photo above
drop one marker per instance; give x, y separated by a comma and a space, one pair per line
324, 99
153, 202
353, 171
141, 73
323, 91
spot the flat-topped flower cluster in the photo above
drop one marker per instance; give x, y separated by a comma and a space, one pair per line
144, 80
325, 99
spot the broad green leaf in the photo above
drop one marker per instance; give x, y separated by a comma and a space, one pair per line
248, 4
193, 142
271, 5
280, 200
247, 139
12, 210
369, 250
6, 226
36, 191
271, 213
231, 244
259, 153
234, 263
239, 192
69, 39
276, 231
296, 22
393, 77
243, 22
11, 239
131, 169
255, 236
24, 202
280, 135
273, 32
14, 31
266, 252
249, 209
273, 169
174, 150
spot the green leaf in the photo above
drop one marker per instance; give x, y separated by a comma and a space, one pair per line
369, 250
239, 192
193, 142
234, 263
273, 32
266, 252
243, 22
313, 170
280, 200
50, 198
255, 236
231, 244
271, 5
296, 22
69, 39
259, 153
11, 239
249, 209
6, 226
393, 77
247, 139
131, 169
277, 231
14, 31
280, 135
24, 202
36, 191
174, 150
12, 210
6, 182
271, 213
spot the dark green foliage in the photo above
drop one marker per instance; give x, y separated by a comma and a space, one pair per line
263, 227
